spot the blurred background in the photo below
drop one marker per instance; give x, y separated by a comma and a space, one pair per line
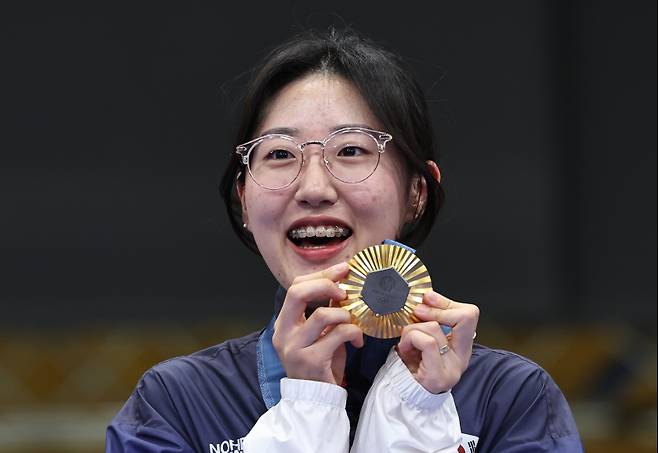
115, 252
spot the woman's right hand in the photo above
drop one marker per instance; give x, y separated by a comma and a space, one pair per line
314, 348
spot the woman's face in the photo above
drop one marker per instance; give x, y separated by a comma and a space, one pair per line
369, 211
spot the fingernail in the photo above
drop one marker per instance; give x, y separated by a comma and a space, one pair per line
339, 267
432, 298
422, 309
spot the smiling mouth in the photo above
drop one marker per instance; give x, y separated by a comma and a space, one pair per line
316, 236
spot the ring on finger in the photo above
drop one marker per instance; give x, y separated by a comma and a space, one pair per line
443, 349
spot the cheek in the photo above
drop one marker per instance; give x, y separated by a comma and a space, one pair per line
263, 209
379, 206
367, 202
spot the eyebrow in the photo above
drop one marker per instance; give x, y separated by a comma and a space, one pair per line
281, 130
293, 131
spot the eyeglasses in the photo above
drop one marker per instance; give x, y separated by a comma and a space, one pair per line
350, 154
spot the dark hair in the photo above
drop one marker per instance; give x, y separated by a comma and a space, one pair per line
384, 82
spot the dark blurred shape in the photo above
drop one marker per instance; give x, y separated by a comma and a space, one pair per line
118, 125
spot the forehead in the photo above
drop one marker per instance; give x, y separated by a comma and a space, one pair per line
317, 104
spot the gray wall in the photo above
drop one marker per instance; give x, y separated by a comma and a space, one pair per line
117, 124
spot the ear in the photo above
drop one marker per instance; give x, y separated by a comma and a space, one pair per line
239, 187
434, 170
418, 192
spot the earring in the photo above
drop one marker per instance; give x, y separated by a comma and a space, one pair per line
244, 225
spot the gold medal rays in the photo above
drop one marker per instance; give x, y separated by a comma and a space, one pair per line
378, 258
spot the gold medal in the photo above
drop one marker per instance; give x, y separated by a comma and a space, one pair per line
383, 286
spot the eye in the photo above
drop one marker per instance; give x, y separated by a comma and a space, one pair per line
351, 151
280, 154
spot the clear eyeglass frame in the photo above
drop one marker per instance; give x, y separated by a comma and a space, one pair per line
381, 138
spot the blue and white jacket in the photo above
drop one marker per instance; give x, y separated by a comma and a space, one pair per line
210, 400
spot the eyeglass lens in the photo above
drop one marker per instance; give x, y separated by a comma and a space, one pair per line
276, 161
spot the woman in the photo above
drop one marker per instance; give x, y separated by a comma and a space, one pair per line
334, 154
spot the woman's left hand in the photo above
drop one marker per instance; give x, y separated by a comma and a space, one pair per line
437, 362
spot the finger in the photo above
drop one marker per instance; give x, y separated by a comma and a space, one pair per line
463, 321
450, 352
406, 343
427, 313
431, 328
450, 311
436, 300
465, 316
318, 322
425, 343
461, 318
339, 335
300, 294
334, 273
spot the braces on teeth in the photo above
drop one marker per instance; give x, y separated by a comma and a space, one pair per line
320, 232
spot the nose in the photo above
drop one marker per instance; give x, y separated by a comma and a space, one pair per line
315, 186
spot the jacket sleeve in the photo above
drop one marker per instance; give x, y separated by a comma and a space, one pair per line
141, 427
309, 417
399, 415
536, 419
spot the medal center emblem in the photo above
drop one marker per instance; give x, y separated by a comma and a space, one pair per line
385, 291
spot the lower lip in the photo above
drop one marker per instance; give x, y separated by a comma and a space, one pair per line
319, 254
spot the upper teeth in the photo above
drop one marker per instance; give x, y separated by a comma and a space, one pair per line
320, 231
